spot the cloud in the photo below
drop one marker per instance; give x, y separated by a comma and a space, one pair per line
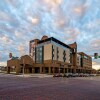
21, 50
5, 41
33, 20
60, 23
96, 65
93, 25
95, 43
71, 34
4, 16
3, 63
80, 10
52, 3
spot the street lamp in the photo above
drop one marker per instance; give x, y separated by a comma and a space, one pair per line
59, 71
23, 67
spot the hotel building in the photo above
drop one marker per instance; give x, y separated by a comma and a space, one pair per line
50, 55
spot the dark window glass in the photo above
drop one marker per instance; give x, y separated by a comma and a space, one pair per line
64, 57
57, 53
39, 54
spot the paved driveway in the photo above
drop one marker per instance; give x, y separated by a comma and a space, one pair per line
19, 88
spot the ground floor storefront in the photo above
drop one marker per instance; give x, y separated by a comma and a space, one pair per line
47, 70
26, 65
51, 70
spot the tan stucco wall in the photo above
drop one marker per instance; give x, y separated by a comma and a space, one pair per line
48, 61
61, 50
48, 52
67, 56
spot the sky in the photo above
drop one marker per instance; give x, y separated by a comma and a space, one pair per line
67, 20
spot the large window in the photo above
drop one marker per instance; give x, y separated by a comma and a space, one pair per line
39, 55
64, 56
71, 56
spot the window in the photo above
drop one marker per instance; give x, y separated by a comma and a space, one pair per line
52, 52
39, 55
64, 56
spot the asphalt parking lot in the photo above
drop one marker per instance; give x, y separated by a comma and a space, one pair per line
49, 88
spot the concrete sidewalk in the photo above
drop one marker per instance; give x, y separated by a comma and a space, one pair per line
35, 75
26, 75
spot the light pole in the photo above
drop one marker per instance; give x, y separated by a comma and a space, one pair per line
23, 67
59, 71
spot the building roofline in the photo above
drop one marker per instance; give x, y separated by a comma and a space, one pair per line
55, 40
84, 54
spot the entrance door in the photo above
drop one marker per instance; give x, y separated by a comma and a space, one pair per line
8, 71
37, 69
30, 70
46, 70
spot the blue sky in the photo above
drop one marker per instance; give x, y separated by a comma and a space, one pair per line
66, 20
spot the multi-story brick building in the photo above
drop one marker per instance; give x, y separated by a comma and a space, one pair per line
50, 55
84, 63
